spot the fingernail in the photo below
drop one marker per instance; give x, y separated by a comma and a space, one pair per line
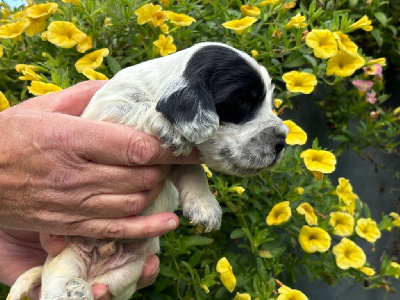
102, 296
57, 237
171, 224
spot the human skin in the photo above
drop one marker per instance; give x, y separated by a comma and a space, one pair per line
64, 175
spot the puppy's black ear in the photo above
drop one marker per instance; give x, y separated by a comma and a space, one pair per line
191, 110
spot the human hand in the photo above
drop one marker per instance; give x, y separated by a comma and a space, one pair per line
23, 250
70, 176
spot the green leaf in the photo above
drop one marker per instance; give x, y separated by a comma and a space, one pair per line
194, 260
381, 18
114, 65
294, 60
367, 211
237, 233
376, 33
353, 3
196, 240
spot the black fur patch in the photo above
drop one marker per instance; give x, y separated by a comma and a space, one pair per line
219, 80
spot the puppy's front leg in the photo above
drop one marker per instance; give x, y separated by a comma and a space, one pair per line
198, 204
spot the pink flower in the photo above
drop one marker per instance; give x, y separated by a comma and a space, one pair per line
370, 97
363, 85
373, 70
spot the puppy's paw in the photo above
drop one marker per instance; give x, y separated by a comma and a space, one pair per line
75, 289
206, 212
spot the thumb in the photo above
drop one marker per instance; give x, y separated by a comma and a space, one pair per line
71, 101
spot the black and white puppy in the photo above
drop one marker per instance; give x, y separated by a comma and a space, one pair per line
210, 96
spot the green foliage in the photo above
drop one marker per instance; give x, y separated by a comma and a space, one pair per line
258, 253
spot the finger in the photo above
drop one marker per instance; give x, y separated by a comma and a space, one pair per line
111, 143
150, 272
121, 205
101, 292
52, 244
71, 101
128, 227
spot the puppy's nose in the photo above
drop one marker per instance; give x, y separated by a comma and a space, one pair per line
280, 144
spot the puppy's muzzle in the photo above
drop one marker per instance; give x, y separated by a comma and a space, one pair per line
275, 138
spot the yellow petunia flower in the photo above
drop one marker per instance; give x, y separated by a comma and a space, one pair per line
380, 61
322, 42
297, 22
207, 170
41, 11
314, 239
319, 160
301, 82
4, 104
165, 45
158, 18
344, 42
299, 190
180, 19
344, 64
367, 228
367, 271
64, 34
289, 5
84, 45
396, 218
396, 266
29, 74
38, 88
250, 11
205, 288
164, 28
279, 214
269, 2
227, 277
364, 23
243, 296
286, 293
146, 12
76, 2
165, 2
277, 102
307, 210
92, 60
348, 255
296, 135
1, 51
342, 223
21, 67
13, 30
93, 75
36, 26
240, 25
237, 189
345, 191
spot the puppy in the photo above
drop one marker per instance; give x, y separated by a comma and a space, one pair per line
210, 96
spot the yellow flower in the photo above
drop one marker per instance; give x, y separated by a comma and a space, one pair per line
269, 2
380, 61
396, 266
314, 239
107, 22
35, 26
289, 5
368, 229
344, 64
227, 277
164, 28
4, 104
41, 11
249, 10
254, 54
29, 74
286, 293
345, 191
207, 170
396, 219
301, 82
76, 2
165, 2
205, 288
296, 135
64, 34
165, 45
93, 75
367, 271
84, 45
319, 160
307, 210
180, 19
146, 12
348, 255
364, 23
279, 214
13, 30
322, 42
21, 67
243, 296
297, 21
342, 223
158, 18
240, 25
237, 189
1, 51
92, 60
38, 88
277, 102
344, 42
299, 190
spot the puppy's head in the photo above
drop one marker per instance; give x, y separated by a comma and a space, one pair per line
222, 103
